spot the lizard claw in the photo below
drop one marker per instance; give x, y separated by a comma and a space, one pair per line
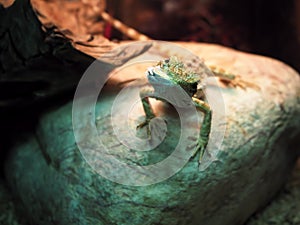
143, 124
200, 147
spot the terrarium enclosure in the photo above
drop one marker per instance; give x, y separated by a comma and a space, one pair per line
47, 45
264, 27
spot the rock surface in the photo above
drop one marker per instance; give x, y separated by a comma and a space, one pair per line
285, 208
56, 186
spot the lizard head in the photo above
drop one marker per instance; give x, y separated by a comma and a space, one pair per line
173, 72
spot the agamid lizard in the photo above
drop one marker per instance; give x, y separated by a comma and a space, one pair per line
172, 72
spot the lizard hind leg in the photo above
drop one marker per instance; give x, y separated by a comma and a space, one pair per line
205, 127
231, 79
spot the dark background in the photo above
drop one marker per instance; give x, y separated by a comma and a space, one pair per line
266, 27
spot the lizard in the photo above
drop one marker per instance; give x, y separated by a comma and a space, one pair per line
173, 72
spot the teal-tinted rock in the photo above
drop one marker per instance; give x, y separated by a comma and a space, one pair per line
57, 186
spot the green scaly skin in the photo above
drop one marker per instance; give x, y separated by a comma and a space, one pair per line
172, 72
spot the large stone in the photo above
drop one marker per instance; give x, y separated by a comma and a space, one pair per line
57, 186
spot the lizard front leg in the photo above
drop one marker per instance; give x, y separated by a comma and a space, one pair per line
205, 127
144, 95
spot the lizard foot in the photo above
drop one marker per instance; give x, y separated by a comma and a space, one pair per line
143, 124
200, 147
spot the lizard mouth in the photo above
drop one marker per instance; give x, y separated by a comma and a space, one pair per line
157, 72
150, 71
